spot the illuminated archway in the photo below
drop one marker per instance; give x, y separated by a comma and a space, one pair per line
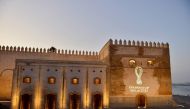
74, 101
97, 101
50, 101
141, 100
25, 101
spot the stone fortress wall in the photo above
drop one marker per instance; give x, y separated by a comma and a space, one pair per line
8, 55
40, 70
120, 76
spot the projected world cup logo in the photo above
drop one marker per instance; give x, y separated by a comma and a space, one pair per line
139, 72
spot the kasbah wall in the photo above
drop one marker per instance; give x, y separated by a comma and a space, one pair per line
8, 56
120, 76
121, 79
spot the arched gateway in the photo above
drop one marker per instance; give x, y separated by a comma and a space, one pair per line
97, 101
141, 100
50, 101
26, 101
74, 101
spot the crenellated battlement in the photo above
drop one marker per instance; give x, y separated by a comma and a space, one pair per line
46, 51
138, 43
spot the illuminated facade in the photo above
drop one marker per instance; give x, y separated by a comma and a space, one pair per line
123, 74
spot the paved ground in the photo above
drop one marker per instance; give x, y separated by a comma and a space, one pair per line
183, 102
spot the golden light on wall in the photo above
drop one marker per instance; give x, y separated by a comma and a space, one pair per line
37, 100
64, 95
15, 99
86, 99
105, 98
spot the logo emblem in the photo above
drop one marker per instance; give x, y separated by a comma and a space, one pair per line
138, 73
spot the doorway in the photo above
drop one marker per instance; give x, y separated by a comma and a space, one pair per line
141, 100
97, 101
26, 101
74, 102
50, 101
